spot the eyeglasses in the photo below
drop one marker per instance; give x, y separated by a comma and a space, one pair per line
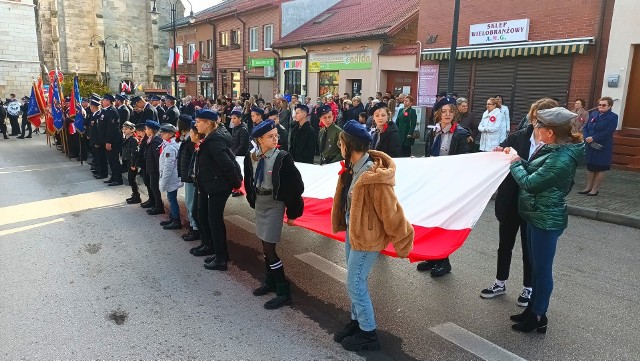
603, 105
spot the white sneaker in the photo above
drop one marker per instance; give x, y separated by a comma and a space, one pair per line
493, 291
525, 296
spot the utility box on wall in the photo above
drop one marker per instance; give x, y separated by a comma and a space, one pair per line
613, 80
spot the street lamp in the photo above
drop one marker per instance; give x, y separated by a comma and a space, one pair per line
102, 42
454, 48
154, 15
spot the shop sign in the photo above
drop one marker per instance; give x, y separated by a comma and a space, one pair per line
499, 32
207, 69
292, 64
428, 84
353, 60
261, 62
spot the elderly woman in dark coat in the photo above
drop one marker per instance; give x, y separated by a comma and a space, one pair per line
598, 134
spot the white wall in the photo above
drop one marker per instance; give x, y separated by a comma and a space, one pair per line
625, 31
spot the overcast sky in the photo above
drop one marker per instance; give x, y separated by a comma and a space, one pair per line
199, 5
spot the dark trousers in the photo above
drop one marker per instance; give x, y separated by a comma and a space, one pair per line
3, 127
73, 142
154, 185
26, 125
131, 177
15, 126
100, 155
83, 150
406, 151
113, 157
212, 228
507, 232
542, 247
147, 183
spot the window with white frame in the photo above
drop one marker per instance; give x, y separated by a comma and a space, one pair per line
253, 39
180, 54
224, 38
190, 53
268, 36
201, 50
236, 37
209, 49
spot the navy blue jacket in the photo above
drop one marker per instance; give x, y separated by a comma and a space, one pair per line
601, 127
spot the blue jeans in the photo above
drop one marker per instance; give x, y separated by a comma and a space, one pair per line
542, 249
173, 204
190, 194
359, 265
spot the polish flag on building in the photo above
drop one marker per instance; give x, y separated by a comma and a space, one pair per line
174, 58
442, 197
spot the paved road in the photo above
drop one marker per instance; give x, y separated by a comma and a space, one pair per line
84, 275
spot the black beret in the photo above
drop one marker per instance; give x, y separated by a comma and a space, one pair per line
140, 126
152, 124
108, 97
303, 107
357, 130
136, 99
236, 113
262, 128
207, 114
324, 110
185, 118
257, 110
380, 105
442, 102
272, 112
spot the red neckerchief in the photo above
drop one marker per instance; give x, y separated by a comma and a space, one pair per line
344, 168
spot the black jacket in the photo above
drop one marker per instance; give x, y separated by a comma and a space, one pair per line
124, 114
459, 143
506, 209
240, 136
287, 184
130, 150
215, 171
162, 114
110, 117
185, 153
389, 141
303, 143
141, 161
152, 156
149, 113
283, 140
171, 115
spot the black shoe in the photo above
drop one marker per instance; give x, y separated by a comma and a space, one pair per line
146, 204
6, 137
593, 194
282, 298
521, 316
175, 224
361, 341
204, 251
425, 265
532, 323
210, 259
584, 192
195, 235
237, 194
188, 234
28, 136
97, 176
115, 183
264, 289
20, 137
350, 329
202, 245
441, 268
108, 181
134, 200
216, 265
167, 222
155, 211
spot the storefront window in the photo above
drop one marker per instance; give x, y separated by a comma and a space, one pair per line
235, 76
329, 81
293, 81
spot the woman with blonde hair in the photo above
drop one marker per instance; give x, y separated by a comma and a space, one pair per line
491, 126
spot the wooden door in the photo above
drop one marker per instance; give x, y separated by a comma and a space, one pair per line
632, 109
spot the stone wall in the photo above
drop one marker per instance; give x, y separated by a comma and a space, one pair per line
19, 62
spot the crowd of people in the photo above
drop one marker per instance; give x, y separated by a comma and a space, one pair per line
195, 146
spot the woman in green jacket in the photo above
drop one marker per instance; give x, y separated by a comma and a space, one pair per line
406, 122
545, 180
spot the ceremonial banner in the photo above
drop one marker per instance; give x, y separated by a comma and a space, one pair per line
34, 113
75, 108
56, 105
442, 197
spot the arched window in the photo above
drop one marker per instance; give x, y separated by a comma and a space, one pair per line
125, 52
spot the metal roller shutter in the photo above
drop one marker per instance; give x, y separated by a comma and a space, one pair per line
462, 80
493, 76
538, 77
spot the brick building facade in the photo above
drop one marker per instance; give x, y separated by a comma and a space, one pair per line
562, 56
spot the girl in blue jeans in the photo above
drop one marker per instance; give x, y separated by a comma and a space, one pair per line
169, 180
371, 223
544, 181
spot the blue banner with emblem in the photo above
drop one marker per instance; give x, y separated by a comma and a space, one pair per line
56, 106
79, 119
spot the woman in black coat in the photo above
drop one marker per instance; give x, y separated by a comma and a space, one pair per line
217, 173
152, 168
303, 137
386, 137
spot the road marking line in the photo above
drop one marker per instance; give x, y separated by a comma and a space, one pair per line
26, 228
242, 223
324, 265
46, 167
473, 343
60, 164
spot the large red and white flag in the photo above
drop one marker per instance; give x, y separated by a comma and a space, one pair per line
174, 57
442, 197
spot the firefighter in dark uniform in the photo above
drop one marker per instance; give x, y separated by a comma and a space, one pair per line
172, 113
112, 138
146, 110
98, 138
91, 124
156, 103
82, 137
123, 111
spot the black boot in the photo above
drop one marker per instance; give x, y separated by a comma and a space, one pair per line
283, 296
168, 221
361, 341
216, 265
350, 329
532, 323
441, 268
195, 235
269, 284
521, 316
202, 245
425, 265
175, 224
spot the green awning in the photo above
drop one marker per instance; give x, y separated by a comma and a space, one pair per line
559, 47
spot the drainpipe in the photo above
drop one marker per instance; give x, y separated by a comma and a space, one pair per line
276, 66
214, 55
596, 62
306, 70
245, 83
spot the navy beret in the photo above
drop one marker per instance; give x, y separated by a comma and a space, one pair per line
207, 114
154, 98
442, 102
272, 112
324, 110
136, 99
257, 110
262, 128
152, 124
193, 126
168, 128
185, 118
380, 105
357, 130
109, 97
303, 107
236, 113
